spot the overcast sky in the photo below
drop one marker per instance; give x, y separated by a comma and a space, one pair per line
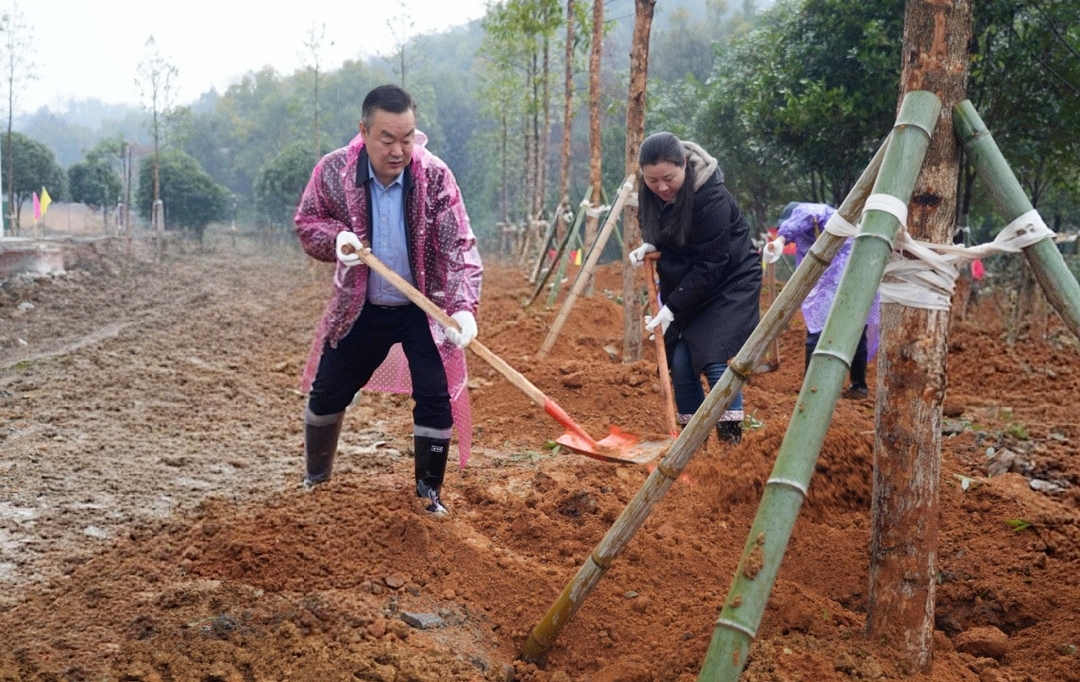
92, 48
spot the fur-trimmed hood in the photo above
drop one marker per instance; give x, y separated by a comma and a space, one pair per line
704, 164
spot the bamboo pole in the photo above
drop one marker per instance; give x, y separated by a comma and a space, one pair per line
789, 481
575, 241
775, 320
563, 255
543, 275
548, 236
1053, 275
586, 270
771, 361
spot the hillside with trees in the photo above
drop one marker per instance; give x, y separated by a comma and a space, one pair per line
791, 97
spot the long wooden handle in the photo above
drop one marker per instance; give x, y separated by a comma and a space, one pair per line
666, 391
440, 316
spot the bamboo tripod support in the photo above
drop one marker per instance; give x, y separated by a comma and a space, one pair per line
1057, 281
771, 361
776, 319
558, 263
549, 234
573, 239
588, 267
789, 481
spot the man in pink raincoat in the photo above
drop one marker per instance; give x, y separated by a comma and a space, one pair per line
387, 192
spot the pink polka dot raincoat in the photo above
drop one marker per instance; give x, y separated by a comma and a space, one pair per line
445, 263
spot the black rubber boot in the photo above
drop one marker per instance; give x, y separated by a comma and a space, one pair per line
729, 432
429, 468
320, 444
858, 387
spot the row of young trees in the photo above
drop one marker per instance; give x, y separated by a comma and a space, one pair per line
30, 166
792, 100
529, 105
193, 199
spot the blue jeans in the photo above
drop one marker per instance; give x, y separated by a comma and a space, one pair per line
686, 384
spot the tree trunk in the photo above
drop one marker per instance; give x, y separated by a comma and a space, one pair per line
504, 175
318, 144
635, 133
545, 132
595, 178
911, 365
568, 114
13, 224
534, 196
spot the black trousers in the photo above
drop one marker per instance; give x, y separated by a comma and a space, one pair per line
345, 369
858, 363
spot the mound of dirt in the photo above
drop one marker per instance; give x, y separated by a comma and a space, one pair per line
152, 527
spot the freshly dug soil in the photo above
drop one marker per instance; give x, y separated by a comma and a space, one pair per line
152, 527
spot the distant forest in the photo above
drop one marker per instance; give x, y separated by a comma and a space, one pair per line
791, 97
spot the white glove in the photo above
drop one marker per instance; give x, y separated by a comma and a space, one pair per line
773, 250
637, 256
467, 323
663, 318
348, 258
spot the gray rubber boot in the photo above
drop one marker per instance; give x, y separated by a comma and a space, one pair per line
429, 465
320, 445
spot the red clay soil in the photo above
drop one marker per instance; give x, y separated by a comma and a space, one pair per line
152, 527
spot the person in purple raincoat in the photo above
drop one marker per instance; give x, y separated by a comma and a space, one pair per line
802, 223
386, 192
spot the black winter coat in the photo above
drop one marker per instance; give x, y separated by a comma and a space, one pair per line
712, 284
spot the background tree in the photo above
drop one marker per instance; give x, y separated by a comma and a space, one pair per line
1025, 83
192, 199
516, 33
596, 179
569, 52
500, 83
155, 82
94, 181
817, 80
280, 183
758, 171
37, 168
635, 134
17, 63
314, 45
400, 26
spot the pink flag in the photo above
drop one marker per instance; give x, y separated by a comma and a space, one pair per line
37, 208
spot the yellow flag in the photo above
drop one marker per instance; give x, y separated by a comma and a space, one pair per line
45, 201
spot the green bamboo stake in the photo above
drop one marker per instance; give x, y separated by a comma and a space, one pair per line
786, 488
556, 262
1057, 281
693, 435
573, 238
585, 256
549, 234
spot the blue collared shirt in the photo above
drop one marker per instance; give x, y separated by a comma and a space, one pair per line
388, 241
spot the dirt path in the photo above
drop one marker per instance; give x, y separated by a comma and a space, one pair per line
151, 527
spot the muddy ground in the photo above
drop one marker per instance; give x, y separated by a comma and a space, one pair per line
152, 527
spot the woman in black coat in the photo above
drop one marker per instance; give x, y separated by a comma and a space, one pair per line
709, 270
